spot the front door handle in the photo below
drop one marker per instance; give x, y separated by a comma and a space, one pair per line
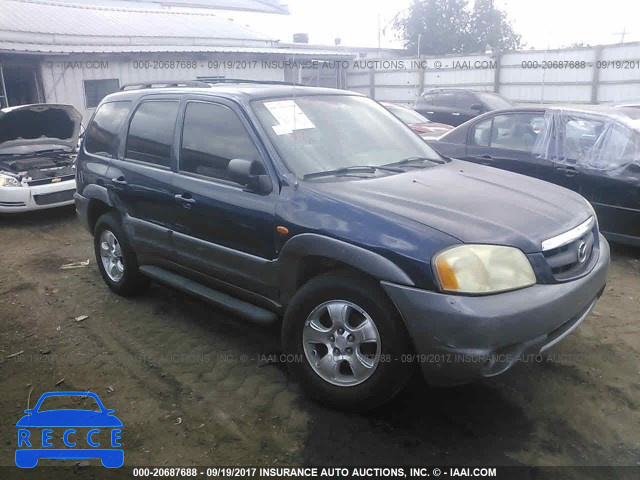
187, 201
456, 113
485, 159
568, 171
119, 181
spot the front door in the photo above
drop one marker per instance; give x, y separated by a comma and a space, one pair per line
505, 141
222, 230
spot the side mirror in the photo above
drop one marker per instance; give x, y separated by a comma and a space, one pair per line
251, 174
477, 106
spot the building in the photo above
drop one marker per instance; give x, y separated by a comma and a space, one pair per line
61, 52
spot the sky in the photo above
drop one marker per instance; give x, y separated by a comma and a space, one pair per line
542, 23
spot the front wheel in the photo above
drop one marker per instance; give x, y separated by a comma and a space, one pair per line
346, 339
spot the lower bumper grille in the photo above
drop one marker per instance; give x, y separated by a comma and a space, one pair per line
13, 204
56, 197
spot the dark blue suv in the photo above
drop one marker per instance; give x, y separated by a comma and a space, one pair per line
320, 211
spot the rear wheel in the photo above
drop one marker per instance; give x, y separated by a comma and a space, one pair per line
347, 340
116, 259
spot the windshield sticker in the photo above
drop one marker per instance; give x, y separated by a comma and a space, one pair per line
289, 116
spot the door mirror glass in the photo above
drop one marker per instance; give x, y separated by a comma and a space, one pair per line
251, 174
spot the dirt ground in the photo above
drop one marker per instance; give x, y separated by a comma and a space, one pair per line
194, 386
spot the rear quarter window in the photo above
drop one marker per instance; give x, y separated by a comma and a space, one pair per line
101, 134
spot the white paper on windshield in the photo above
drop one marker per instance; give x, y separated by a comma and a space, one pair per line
289, 116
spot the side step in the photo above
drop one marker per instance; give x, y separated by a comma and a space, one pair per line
231, 304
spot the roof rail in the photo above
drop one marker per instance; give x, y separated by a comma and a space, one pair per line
214, 80
165, 84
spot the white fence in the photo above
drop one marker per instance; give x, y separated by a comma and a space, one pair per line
581, 75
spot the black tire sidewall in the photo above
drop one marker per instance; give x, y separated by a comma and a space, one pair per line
391, 373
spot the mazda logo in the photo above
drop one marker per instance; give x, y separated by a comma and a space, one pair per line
582, 252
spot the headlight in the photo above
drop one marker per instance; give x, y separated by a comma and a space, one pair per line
9, 181
483, 269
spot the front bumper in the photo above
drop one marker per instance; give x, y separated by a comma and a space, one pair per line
25, 199
458, 338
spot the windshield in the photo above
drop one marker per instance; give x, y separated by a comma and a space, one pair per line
407, 116
328, 132
493, 101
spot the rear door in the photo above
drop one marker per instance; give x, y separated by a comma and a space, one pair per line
222, 229
464, 103
142, 176
608, 172
506, 141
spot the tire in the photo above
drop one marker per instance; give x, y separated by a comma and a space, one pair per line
125, 278
309, 332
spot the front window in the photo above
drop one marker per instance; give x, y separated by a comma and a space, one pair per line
328, 132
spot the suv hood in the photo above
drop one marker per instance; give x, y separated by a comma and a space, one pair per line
32, 128
473, 203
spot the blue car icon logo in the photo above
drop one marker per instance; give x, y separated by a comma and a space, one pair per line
69, 433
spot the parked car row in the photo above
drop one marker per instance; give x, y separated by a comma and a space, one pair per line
592, 150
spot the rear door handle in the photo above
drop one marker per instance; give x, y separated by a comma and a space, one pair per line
186, 201
456, 113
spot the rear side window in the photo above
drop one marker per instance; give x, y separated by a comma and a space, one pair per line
99, 137
212, 136
151, 132
429, 98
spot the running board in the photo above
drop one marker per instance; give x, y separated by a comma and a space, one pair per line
231, 304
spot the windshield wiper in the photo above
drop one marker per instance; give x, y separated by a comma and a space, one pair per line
409, 160
352, 169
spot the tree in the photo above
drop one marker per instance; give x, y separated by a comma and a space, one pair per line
490, 29
441, 26
447, 26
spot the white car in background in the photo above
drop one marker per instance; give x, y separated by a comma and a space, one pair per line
37, 156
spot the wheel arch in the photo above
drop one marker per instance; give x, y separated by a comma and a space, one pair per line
308, 255
99, 203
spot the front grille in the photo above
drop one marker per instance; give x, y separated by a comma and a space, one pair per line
573, 259
49, 180
56, 197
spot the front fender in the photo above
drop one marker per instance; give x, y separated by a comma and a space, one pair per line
311, 244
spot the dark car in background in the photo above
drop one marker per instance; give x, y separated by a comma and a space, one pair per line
369, 251
454, 106
421, 125
592, 150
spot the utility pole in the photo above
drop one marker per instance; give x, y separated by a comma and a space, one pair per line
622, 34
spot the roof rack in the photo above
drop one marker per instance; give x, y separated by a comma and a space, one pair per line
165, 84
215, 80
